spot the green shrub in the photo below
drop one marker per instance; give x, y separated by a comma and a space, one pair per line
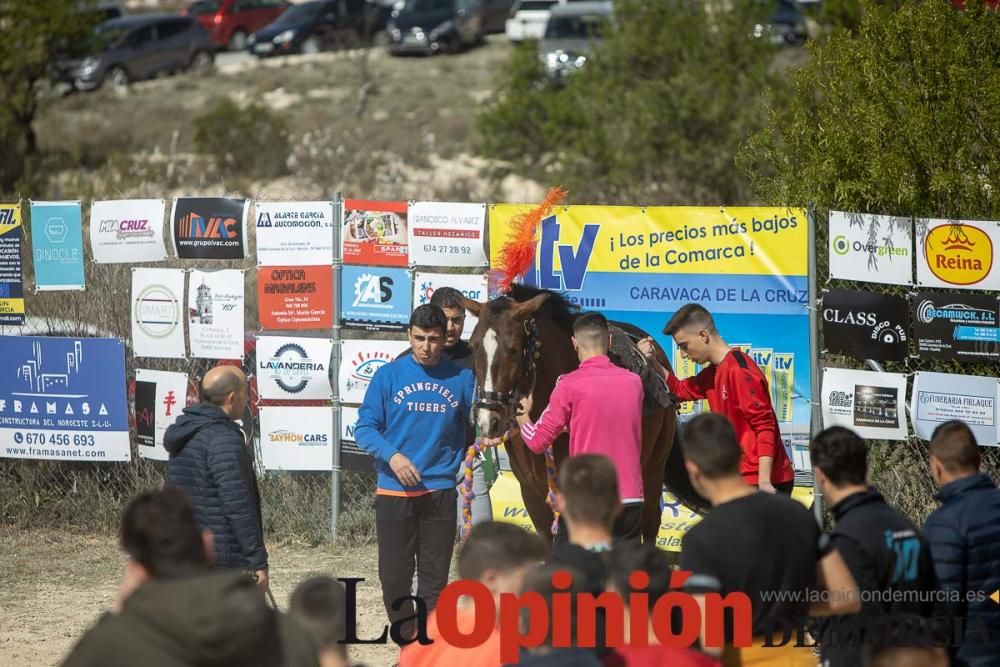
251, 141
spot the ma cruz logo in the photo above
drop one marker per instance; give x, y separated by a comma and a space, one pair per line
126, 229
959, 254
157, 311
363, 368
372, 290
197, 226
292, 437
291, 368
928, 311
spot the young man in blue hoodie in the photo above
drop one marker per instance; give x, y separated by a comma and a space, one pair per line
412, 421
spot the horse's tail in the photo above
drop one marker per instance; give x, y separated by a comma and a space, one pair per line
677, 480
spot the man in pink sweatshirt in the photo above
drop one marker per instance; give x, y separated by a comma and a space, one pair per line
601, 405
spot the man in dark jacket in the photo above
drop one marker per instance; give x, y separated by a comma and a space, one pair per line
888, 557
174, 610
964, 534
210, 462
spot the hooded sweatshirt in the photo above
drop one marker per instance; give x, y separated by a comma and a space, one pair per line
210, 462
208, 619
418, 411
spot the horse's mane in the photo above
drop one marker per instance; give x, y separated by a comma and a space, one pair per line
556, 307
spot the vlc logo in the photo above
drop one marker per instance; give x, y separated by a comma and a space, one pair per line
573, 262
959, 254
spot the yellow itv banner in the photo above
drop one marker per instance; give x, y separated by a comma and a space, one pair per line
675, 522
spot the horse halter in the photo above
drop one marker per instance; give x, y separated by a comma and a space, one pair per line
506, 401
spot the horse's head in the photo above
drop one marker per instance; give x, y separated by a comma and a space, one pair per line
503, 345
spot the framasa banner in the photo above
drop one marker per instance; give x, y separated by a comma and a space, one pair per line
748, 266
11, 275
63, 398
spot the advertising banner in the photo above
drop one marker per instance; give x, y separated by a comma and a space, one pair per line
296, 438
471, 285
293, 369
374, 233
447, 234
941, 397
865, 325
215, 314
160, 396
962, 327
352, 457
157, 313
871, 248
873, 404
11, 276
295, 297
127, 230
747, 266
376, 299
209, 227
958, 254
57, 242
298, 233
360, 360
63, 399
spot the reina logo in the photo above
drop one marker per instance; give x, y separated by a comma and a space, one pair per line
959, 254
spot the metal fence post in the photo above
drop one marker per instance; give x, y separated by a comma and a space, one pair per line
816, 414
338, 213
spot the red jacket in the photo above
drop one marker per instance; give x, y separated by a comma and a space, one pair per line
737, 389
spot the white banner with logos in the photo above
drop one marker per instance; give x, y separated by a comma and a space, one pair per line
127, 230
472, 286
446, 234
348, 422
158, 313
160, 396
873, 404
215, 314
293, 368
360, 360
941, 397
297, 233
958, 254
296, 438
871, 248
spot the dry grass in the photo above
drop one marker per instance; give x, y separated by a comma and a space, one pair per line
56, 583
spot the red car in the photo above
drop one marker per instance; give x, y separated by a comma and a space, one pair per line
230, 22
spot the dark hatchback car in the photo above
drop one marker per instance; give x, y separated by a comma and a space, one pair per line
434, 26
314, 26
137, 47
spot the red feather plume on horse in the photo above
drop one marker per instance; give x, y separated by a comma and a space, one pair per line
518, 253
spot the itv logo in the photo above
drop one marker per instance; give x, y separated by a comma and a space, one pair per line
573, 261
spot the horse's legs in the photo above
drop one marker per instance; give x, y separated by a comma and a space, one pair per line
657, 438
529, 469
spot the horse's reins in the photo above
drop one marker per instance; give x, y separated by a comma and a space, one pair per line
506, 401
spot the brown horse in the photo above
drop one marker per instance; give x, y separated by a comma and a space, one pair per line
521, 345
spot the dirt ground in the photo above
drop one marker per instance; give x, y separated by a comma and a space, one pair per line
54, 584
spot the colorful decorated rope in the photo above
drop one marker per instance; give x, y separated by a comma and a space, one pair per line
468, 493
550, 475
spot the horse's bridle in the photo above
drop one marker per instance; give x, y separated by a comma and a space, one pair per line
506, 401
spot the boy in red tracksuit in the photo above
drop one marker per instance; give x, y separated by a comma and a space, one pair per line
735, 387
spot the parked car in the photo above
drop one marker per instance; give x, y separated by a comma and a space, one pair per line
572, 32
787, 25
137, 47
433, 26
231, 22
496, 13
528, 19
313, 26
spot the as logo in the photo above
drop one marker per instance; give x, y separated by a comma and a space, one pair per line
959, 254
372, 289
573, 262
